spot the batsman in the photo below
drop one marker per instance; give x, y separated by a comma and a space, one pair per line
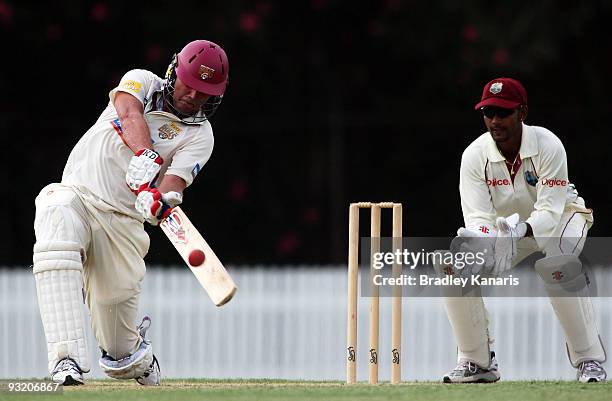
130, 167
517, 199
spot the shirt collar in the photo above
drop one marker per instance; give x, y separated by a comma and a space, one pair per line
529, 146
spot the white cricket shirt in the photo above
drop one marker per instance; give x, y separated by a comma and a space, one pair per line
539, 193
98, 162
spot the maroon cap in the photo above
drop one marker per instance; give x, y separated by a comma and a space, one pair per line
506, 93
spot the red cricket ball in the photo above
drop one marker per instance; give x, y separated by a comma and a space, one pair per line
196, 257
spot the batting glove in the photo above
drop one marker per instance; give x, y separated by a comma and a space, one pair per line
509, 233
143, 170
154, 206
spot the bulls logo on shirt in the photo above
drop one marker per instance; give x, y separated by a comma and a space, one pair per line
169, 131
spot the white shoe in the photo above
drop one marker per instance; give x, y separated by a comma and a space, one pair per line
152, 376
67, 373
469, 372
591, 372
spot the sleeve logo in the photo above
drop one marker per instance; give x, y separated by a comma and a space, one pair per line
196, 170
132, 85
117, 126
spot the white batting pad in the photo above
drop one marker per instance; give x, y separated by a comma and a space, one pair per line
59, 284
469, 320
566, 285
577, 319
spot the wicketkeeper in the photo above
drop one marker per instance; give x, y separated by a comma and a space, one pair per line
90, 238
516, 196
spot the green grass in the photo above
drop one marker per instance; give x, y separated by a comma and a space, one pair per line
236, 390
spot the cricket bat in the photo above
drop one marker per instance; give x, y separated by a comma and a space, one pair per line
198, 255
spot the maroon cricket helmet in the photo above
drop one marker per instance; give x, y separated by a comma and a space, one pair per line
202, 65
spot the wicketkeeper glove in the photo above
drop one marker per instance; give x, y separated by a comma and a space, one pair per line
143, 170
154, 206
478, 245
509, 233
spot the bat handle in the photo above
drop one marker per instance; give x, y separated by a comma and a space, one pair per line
166, 210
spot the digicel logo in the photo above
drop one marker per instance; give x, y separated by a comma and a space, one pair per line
495, 182
552, 182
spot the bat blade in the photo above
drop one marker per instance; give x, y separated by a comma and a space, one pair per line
212, 275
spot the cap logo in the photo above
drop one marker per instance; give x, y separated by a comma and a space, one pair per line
206, 72
496, 88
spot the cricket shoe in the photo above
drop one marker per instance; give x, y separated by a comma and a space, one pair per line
67, 373
469, 372
151, 376
591, 372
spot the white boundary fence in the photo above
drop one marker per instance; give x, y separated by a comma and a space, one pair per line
290, 322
